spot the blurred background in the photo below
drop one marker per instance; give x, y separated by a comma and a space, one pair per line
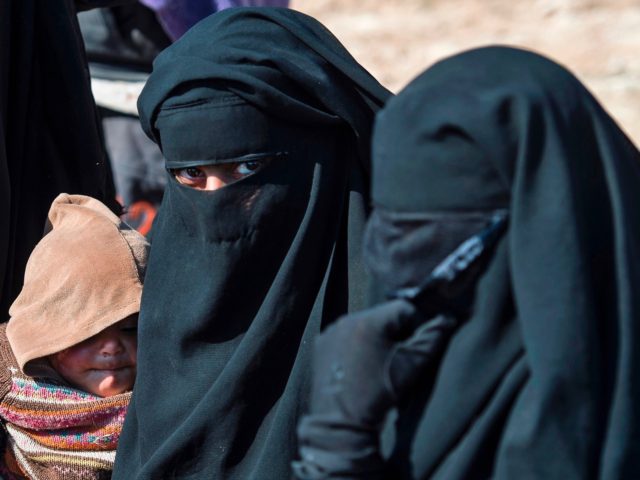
599, 40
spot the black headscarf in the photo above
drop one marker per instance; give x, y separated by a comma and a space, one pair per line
50, 140
541, 380
241, 279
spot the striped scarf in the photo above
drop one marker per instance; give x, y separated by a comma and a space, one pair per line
56, 432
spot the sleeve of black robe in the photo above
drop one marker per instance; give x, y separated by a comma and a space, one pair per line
50, 138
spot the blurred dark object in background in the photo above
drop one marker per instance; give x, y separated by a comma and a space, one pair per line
50, 139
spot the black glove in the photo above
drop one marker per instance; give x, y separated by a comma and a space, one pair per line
367, 361
363, 364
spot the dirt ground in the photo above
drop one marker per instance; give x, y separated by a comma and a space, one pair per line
599, 40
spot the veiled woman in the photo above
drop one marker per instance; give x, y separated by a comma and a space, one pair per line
264, 120
506, 227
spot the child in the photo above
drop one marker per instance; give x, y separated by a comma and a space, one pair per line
68, 353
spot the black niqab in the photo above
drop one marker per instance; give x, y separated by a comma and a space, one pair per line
541, 381
241, 279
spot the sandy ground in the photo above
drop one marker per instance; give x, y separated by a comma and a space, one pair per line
599, 40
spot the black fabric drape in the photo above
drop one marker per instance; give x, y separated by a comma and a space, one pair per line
541, 381
240, 280
49, 135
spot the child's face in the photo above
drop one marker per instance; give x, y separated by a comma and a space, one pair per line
104, 364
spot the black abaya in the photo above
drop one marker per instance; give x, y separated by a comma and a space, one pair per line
241, 279
539, 382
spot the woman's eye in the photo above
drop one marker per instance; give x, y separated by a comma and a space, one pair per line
188, 173
247, 168
191, 172
190, 176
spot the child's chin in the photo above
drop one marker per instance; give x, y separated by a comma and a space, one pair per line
112, 385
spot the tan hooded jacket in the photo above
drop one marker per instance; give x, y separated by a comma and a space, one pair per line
82, 277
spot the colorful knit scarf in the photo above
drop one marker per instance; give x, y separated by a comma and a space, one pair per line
57, 432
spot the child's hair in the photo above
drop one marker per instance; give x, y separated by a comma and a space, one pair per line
83, 276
